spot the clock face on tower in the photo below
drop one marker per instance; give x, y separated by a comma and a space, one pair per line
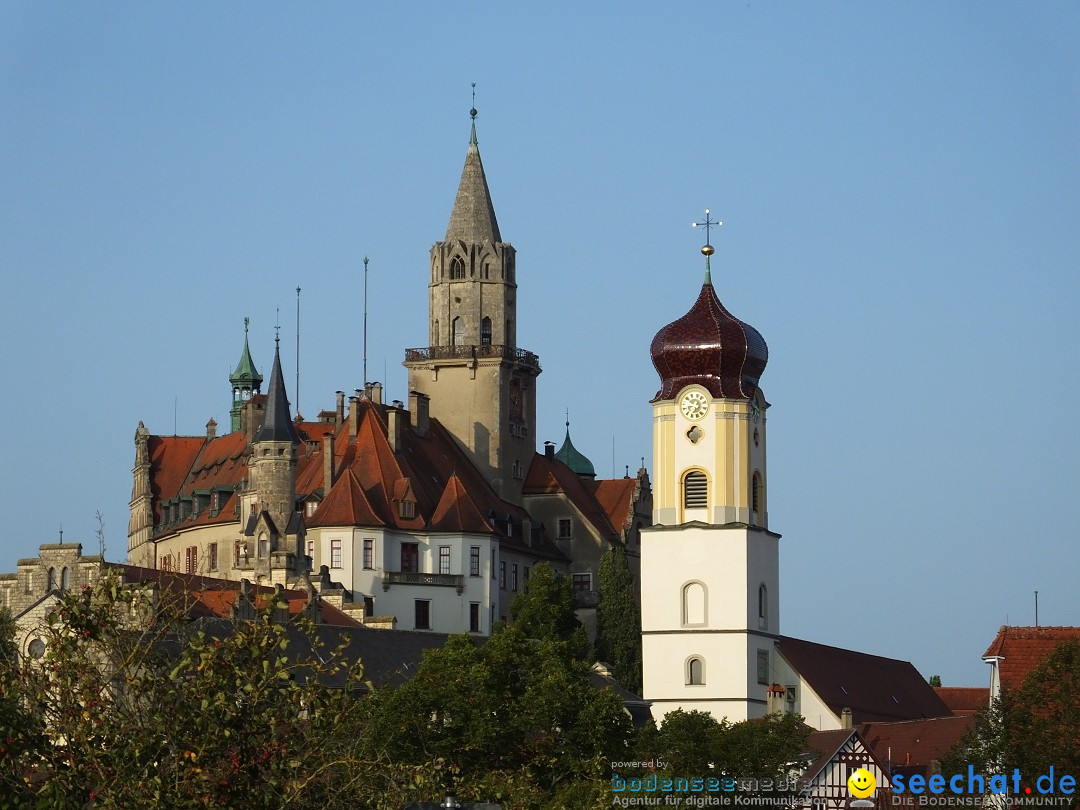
694, 405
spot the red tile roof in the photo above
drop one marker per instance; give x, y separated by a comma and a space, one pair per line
346, 505
873, 687
548, 476
616, 498
964, 700
1022, 649
457, 512
171, 458
912, 746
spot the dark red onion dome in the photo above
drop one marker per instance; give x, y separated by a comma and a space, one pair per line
711, 347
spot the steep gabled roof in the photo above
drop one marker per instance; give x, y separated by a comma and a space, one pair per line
1022, 649
549, 476
911, 746
458, 512
873, 687
616, 498
171, 459
346, 505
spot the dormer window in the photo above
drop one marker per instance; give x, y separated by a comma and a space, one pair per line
407, 509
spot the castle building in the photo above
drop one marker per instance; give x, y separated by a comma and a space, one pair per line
710, 583
427, 517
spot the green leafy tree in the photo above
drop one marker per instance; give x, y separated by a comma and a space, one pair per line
546, 609
618, 620
137, 707
513, 719
1032, 728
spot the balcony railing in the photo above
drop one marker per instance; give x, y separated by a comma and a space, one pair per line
586, 599
410, 578
471, 352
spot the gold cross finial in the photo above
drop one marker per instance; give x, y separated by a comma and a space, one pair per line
708, 225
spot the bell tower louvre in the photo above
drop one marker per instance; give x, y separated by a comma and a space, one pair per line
481, 386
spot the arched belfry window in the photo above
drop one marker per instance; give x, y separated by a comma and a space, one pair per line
695, 671
694, 605
695, 490
457, 328
457, 267
65, 578
755, 494
435, 335
50, 584
763, 607
485, 332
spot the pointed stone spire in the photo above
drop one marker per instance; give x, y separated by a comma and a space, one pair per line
277, 424
473, 219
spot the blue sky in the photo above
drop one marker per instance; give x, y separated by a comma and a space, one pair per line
898, 183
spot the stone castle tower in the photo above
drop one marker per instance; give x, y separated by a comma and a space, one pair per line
481, 386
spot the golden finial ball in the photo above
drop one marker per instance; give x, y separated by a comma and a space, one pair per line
708, 250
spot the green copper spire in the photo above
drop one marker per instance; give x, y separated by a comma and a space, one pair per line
574, 458
246, 380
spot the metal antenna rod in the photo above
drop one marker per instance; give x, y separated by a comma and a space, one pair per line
1036, 608
298, 350
365, 380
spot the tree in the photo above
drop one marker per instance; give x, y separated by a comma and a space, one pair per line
134, 705
1032, 728
515, 718
935, 680
546, 609
618, 620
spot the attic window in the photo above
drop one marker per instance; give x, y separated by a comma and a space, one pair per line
407, 509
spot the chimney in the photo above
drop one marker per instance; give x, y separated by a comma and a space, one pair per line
394, 417
354, 417
526, 530
419, 406
845, 718
339, 413
376, 393
549, 451
328, 462
211, 429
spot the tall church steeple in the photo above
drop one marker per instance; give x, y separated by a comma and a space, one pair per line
246, 380
482, 387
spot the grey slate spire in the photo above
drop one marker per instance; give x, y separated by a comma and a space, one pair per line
473, 219
277, 424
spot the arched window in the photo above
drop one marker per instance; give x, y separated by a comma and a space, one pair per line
65, 578
457, 268
694, 604
763, 607
485, 332
456, 330
755, 494
50, 583
435, 337
695, 490
695, 672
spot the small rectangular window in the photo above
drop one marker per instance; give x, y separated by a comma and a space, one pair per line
526, 579
335, 553
369, 553
211, 556
502, 575
310, 550
566, 529
514, 577
493, 563
474, 561
410, 558
763, 666
582, 582
423, 614
444, 559
474, 617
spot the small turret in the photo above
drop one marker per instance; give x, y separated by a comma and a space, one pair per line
246, 380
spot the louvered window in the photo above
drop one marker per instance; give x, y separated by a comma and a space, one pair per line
695, 491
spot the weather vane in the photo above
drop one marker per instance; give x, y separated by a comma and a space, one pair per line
472, 112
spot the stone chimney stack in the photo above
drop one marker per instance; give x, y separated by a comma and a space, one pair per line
419, 405
328, 463
549, 451
211, 429
845, 718
376, 393
339, 413
394, 417
354, 417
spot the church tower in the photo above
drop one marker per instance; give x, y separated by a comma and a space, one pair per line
710, 565
482, 387
246, 380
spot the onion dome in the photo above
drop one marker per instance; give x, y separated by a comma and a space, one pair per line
710, 347
574, 458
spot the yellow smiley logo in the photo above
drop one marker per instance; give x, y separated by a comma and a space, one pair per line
861, 783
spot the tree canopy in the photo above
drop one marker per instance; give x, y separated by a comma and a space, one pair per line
618, 620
